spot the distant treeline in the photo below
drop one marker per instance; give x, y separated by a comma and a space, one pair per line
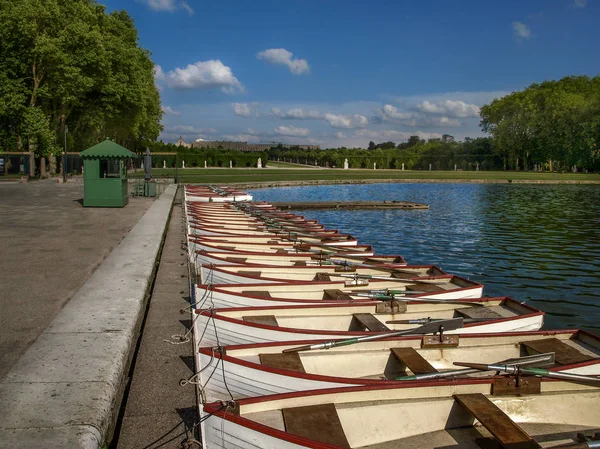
416, 154
68, 65
195, 157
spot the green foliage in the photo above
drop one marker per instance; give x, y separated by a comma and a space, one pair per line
553, 121
416, 154
69, 63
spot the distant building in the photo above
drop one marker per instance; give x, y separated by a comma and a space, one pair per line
182, 143
447, 138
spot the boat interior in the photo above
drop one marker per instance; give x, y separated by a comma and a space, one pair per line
465, 416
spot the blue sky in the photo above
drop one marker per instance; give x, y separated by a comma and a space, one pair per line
342, 73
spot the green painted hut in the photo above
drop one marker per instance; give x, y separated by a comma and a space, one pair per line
105, 175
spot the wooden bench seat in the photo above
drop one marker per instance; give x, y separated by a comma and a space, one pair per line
564, 354
498, 423
369, 322
336, 294
478, 313
284, 360
413, 360
268, 320
317, 422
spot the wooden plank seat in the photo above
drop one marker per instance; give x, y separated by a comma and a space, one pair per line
478, 313
413, 360
236, 259
284, 360
424, 287
369, 322
498, 423
321, 277
564, 354
268, 320
336, 294
317, 422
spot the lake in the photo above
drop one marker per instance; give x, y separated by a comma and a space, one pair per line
537, 243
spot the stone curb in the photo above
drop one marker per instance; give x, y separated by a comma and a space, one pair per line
66, 391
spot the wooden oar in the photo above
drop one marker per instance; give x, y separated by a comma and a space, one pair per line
531, 371
537, 360
430, 328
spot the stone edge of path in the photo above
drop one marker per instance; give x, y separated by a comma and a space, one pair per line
67, 389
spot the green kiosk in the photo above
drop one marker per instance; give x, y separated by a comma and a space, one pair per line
105, 175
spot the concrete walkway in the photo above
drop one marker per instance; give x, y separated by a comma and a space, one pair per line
159, 412
66, 390
49, 247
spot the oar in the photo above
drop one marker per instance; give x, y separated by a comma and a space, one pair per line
531, 371
430, 328
374, 276
537, 360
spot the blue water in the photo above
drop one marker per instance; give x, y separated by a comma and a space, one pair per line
536, 243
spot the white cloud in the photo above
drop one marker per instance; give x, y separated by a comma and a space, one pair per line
245, 109
296, 114
187, 129
291, 131
346, 121
389, 113
168, 110
282, 56
521, 31
452, 108
340, 135
201, 75
580, 3
168, 5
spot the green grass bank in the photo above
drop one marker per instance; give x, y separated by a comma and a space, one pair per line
295, 175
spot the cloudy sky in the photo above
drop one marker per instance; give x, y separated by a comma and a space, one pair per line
342, 73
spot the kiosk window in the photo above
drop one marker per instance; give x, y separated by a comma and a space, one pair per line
110, 168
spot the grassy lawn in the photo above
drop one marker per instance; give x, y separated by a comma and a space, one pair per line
246, 175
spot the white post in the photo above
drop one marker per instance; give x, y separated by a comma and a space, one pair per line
374, 165
230, 164
205, 164
477, 169
429, 167
454, 167
182, 164
402, 166
164, 164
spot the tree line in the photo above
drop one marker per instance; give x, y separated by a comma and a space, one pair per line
71, 72
555, 123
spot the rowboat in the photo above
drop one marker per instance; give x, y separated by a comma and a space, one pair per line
196, 246
221, 257
294, 234
244, 274
466, 414
245, 325
262, 369
447, 287
215, 194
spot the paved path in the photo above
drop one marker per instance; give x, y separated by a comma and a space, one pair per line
159, 412
66, 390
49, 246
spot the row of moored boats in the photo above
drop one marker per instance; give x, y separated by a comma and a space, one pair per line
306, 338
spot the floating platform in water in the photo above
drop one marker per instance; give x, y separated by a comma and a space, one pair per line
297, 205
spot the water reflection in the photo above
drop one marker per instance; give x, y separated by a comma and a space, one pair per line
537, 243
